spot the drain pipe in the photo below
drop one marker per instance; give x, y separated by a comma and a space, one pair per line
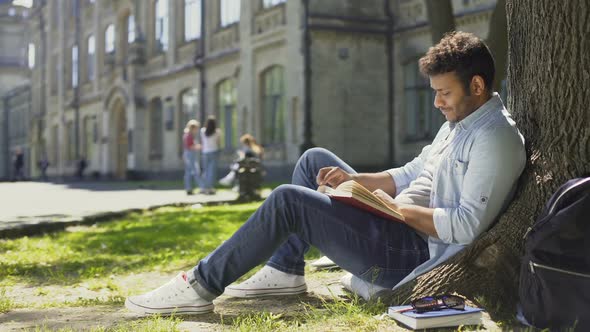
390, 82
307, 121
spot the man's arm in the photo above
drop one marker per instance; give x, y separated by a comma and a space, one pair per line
392, 181
418, 217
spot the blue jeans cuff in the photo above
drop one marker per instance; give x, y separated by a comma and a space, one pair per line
291, 270
199, 285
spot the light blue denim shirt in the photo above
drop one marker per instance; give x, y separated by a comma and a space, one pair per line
474, 182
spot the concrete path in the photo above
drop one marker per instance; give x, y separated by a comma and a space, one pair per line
30, 207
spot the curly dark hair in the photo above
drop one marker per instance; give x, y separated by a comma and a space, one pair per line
461, 52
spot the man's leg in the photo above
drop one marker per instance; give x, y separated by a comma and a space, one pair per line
289, 257
375, 249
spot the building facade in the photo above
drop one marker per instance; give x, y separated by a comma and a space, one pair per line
14, 80
116, 80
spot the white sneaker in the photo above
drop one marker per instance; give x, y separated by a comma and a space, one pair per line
175, 296
324, 263
268, 282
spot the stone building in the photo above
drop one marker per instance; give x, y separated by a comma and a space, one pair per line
117, 80
14, 79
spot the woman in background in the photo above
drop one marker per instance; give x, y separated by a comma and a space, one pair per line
249, 149
210, 138
190, 156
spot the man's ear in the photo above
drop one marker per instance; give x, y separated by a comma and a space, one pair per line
477, 85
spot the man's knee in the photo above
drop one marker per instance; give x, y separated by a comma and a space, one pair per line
315, 154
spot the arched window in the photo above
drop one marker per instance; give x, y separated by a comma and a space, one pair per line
161, 25
109, 39
273, 105
271, 3
226, 108
130, 29
91, 47
192, 19
31, 55
229, 12
422, 122
75, 66
155, 127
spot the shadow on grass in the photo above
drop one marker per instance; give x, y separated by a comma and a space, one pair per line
170, 237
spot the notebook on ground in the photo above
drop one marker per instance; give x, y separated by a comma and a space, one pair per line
353, 193
440, 318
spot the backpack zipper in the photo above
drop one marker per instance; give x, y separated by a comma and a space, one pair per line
533, 265
528, 230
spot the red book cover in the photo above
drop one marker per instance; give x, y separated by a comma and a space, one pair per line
356, 203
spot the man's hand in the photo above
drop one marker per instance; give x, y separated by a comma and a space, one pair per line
385, 197
332, 176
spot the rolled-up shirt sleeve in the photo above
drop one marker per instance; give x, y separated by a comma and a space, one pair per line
497, 159
402, 176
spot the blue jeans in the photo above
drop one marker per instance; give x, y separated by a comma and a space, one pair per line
296, 216
191, 169
210, 160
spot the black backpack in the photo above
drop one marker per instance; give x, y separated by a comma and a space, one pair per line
555, 270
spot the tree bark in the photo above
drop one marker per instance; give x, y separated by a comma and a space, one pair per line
441, 18
548, 84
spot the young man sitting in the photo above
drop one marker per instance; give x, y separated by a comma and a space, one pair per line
449, 194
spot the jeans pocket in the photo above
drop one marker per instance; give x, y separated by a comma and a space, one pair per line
382, 276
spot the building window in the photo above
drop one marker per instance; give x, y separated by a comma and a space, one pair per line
271, 3
155, 128
422, 120
91, 47
31, 55
230, 12
226, 108
273, 105
192, 19
161, 24
75, 66
109, 39
130, 29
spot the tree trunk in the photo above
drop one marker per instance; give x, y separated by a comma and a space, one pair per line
548, 81
441, 18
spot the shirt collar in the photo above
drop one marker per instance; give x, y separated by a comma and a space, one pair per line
493, 104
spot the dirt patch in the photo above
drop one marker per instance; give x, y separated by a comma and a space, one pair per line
32, 315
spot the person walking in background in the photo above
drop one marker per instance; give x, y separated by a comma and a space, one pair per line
19, 165
82, 164
43, 165
190, 155
249, 149
210, 138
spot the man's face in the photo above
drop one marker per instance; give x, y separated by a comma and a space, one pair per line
451, 98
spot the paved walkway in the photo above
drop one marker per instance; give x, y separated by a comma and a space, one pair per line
27, 206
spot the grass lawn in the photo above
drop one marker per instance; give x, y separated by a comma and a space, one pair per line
98, 266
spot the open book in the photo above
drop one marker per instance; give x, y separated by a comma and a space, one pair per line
353, 193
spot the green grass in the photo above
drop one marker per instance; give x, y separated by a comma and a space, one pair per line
6, 303
166, 239
149, 324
